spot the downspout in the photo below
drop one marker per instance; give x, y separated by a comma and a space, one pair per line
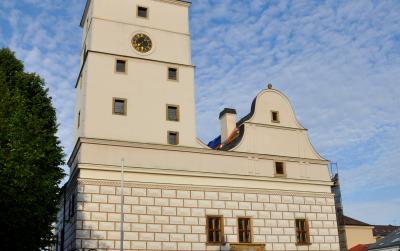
63, 219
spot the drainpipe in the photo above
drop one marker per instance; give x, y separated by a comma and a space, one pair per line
63, 218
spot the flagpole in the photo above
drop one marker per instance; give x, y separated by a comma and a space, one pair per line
122, 204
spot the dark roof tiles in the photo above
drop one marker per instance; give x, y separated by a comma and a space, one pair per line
348, 221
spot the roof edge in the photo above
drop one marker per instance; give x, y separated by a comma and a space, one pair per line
88, 2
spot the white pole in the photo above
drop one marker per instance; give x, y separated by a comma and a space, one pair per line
122, 204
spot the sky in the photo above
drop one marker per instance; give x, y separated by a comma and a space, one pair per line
337, 61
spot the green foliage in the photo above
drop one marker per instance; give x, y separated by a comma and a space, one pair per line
30, 158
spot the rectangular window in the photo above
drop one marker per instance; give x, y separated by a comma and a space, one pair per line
215, 228
79, 119
244, 225
172, 113
72, 206
275, 116
142, 11
172, 73
119, 106
173, 138
302, 233
120, 66
279, 168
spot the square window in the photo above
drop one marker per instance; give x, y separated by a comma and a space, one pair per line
172, 73
279, 168
302, 233
119, 106
172, 113
275, 116
142, 11
173, 138
215, 228
120, 66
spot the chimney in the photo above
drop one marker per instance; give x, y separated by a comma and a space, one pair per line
228, 123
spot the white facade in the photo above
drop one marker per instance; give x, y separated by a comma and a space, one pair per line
171, 189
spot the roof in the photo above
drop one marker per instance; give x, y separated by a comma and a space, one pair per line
348, 221
359, 247
392, 240
216, 142
383, 230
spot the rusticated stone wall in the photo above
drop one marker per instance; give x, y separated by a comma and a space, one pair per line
174, 218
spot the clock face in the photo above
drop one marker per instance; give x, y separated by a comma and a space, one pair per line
142, 43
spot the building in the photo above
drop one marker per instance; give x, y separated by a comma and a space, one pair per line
381, 231
389, 243
357, 232
263, 186
358, 235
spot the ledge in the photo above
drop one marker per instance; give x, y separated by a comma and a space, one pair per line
247, 246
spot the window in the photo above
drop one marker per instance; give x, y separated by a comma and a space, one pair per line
173, 138
172, 113
279, 168
244, 230
79, 119
302, 235
275, 116
142, 12
172, 73
120, 66
72, 206
215, 228
119, 106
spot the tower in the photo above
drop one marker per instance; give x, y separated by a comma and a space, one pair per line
136, 82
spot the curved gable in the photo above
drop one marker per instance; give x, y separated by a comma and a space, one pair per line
260, 133
268, 101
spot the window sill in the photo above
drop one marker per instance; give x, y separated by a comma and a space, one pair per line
303, 244
215, 244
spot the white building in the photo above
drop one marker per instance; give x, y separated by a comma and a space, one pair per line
265, 187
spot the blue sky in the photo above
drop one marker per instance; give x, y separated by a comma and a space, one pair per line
338, 62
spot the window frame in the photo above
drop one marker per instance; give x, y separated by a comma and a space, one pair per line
79, 120
276, 174
116, 64
125, 106
177, 138
221, 230
248, 230
177, 73
147, 11
272, 117
306, 232
72, 206
177, 112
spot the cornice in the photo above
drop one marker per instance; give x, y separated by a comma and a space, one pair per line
200, 174
124, 56
201, 188
187, 149
177, 2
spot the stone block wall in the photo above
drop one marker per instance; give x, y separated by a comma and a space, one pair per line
174, 218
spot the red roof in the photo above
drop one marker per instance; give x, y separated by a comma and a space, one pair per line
359, 247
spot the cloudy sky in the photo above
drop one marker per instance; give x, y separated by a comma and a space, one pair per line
338, 62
